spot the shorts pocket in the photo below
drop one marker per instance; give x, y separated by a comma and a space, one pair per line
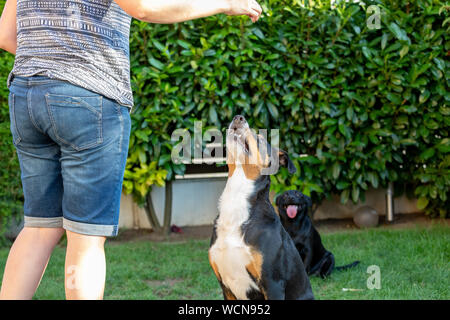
12, 118
76, 121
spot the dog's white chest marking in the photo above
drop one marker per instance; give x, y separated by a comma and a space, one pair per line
229, 252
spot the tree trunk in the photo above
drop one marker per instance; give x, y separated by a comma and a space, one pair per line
168, 208
151, 214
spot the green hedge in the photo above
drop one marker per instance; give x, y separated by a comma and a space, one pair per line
366, 106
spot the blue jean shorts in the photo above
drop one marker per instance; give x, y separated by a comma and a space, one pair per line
72, 146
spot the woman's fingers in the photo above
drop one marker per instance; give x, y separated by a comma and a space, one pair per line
250, 8
255, 6
254, 15
255, 10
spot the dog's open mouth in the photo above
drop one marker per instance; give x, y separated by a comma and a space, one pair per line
291, 210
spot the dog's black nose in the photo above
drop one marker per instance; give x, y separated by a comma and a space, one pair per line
238, 122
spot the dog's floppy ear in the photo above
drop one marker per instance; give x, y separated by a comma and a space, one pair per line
285, 161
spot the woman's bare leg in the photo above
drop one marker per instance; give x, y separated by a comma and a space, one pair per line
85, 267
27, 261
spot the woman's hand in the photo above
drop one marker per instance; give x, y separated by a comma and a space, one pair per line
250, 8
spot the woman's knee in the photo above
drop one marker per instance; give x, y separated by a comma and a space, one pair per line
42, 234
82, 239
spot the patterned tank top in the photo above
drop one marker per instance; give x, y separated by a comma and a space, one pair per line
84, 42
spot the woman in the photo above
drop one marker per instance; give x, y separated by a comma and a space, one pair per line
70, 99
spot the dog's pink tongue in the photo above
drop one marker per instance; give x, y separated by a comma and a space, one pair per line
291, 211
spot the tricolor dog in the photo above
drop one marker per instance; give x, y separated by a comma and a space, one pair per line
251, 254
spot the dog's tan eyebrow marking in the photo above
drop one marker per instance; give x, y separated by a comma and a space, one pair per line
253, 162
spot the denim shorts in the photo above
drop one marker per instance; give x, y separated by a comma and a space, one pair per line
72, 146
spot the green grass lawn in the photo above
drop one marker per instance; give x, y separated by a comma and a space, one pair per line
414, 264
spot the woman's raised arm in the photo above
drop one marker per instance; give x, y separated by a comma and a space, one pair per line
172, 11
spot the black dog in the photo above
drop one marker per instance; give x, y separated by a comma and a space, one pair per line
293, 210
